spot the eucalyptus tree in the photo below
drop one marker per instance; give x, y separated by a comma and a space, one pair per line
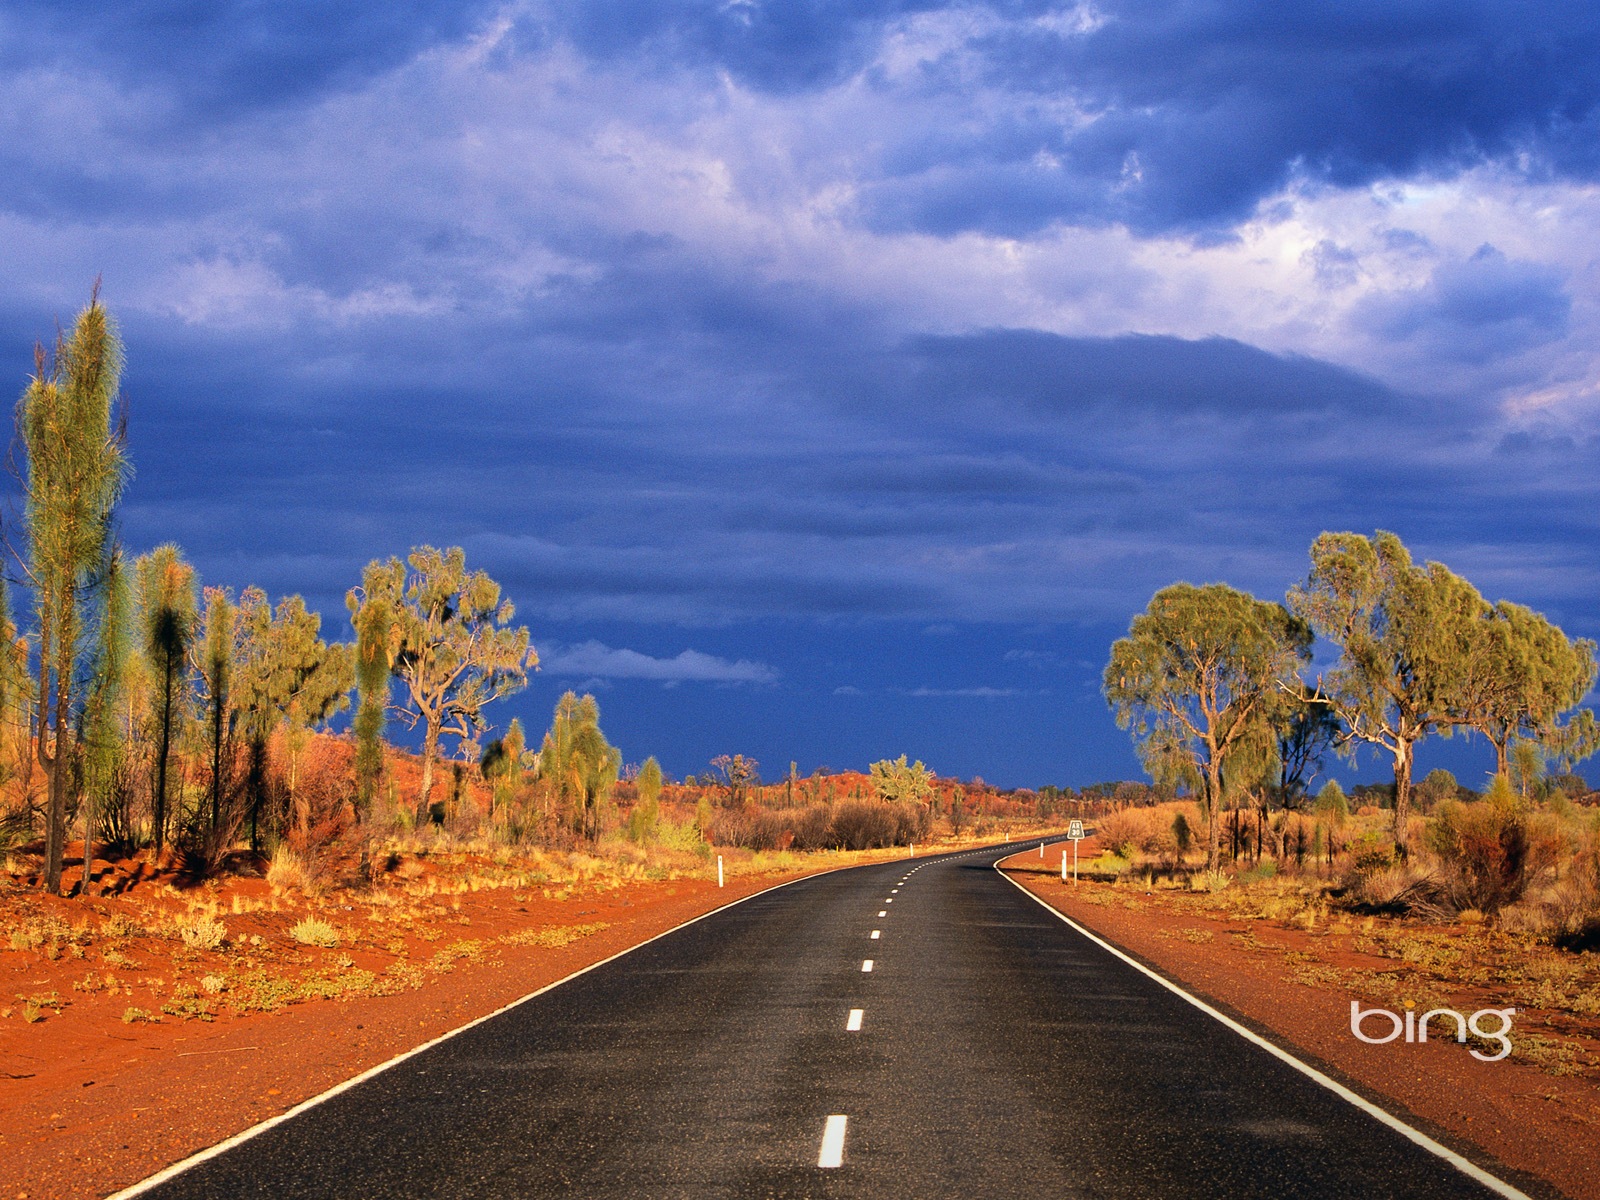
1195, 678
1527, 675
1409, 641
165, 596
76, 468
577, 764
449, 641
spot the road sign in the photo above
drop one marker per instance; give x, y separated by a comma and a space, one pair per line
1075, 830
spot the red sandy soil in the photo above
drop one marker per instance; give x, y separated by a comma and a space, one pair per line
1545, 1125
89, 1104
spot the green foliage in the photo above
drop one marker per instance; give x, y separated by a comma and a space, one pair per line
1439, 786
106, 740
578, 764
1197, 680
371, 619
165, 598
901, 784
76, 468
449, 642
1332, 806
1407, 637
1526, 674
286, 677
646, 816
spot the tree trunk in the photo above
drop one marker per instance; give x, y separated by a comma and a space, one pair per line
1502, 757
56, 815
163, 752
1402, 796
1213, 812
430, 752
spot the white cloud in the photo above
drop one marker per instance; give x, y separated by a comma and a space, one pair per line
597, 660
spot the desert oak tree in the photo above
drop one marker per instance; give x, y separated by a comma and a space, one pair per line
76, 468
1408, 636
449, 642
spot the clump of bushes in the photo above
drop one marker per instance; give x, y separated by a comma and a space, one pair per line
849, 824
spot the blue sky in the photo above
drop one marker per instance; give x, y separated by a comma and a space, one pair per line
831, 380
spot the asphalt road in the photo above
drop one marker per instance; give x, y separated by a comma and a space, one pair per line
998, 1054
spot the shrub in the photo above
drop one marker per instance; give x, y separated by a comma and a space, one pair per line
289, 870
313, 932
863, 825
1130, 831
1492, 850
205, 934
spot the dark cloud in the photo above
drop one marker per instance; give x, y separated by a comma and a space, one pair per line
1486, 308
233, 56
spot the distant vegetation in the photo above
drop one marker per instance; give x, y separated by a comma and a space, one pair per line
142, 711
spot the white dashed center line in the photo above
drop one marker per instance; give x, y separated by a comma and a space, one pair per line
875, 935
833, 1142
883, 913
866, 965
853, 1025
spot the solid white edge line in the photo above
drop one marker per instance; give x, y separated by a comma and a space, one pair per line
832, 1154
222, 1147
853, 1022
1465, 1166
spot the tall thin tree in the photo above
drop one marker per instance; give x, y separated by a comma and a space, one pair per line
105, 738
76, 468
166, 590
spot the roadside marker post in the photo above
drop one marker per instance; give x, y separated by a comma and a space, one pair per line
719, 870
1075, 835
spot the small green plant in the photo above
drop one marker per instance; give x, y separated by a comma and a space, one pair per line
134, 1015
314, 932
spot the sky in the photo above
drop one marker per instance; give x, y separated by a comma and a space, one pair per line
827, 380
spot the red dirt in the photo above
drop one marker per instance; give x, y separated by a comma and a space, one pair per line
1532, 1121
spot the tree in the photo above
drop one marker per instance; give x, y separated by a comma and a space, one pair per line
1529, 674
1408, 639
372, 621
1193, 679
289, 679
105, 741
578, 764
1307, 729
504, 764
738, 775
165, 586
76, 468
895, 781
1437, 787
646, 815
215, 669
450, 643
